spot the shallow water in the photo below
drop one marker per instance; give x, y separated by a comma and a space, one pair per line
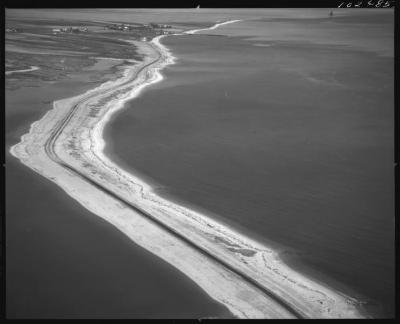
290, 142
64, 262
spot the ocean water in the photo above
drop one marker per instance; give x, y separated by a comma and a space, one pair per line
65, 262
282, 127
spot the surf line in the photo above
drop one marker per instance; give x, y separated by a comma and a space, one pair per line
49, 148
48, 145
51, 153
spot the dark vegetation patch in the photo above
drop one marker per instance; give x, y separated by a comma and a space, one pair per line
192, 25
49, 22
245, 252
60, 54
226, 242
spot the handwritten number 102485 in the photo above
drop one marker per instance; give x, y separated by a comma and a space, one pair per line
368, 4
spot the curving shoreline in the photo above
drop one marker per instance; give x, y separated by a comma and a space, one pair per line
32, 68
66, 146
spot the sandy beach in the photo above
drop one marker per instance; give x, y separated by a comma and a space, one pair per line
66, 146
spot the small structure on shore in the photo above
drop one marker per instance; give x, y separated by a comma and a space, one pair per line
143, 39
153, 25
75, 30
127, 27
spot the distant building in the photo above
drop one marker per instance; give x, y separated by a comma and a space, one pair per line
70, 30
152, 25
128, 27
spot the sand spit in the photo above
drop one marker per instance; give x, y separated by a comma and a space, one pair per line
66, 146
32, 68
194, 31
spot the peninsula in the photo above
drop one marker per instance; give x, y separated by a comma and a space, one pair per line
66, 146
